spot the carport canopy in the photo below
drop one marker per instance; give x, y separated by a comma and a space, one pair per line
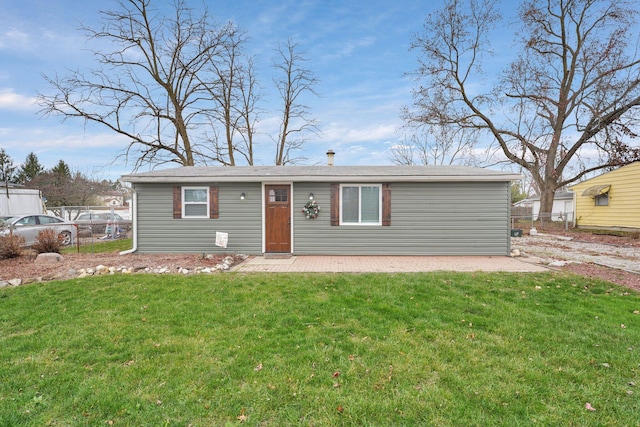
596, 190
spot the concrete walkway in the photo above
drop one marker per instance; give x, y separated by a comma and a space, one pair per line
385, 264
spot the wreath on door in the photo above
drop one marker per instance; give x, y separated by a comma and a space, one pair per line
311, 209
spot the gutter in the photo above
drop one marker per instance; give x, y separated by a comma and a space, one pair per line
313, 178
134, 224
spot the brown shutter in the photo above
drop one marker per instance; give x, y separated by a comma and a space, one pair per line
335, 204
177, 202
386, 205
213, 202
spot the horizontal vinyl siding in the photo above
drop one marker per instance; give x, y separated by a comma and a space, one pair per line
624, 200
426, 219
159, 232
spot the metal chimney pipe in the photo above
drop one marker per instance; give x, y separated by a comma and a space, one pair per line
330, 155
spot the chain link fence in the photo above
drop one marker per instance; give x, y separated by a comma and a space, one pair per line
96, 224
525, 218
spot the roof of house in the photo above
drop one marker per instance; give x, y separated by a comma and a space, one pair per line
194, 174
558, 195
628, 167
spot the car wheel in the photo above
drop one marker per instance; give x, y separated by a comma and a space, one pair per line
65, 238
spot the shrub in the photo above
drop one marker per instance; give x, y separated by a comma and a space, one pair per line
11, 246
47, 240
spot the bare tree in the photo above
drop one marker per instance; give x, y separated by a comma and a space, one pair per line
293, 82
439, 145
248, 111
62, 187
236, 95
157, 87
566, 107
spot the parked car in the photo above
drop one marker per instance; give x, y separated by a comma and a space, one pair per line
102, 223
28, 226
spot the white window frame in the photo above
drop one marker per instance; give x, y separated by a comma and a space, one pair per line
601, 199
360, 223
185, 203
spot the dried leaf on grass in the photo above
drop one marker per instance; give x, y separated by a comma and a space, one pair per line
242, 417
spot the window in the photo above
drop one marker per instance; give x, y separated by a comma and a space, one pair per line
384, 212
602, 199
360, 204
195, 202
47, 220
278, 195
27, 220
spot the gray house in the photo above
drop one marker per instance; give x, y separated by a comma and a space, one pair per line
363, 210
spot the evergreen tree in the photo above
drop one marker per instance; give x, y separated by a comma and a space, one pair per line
29, 169
7, 169
61, 169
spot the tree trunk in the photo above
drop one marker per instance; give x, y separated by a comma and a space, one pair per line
547, 194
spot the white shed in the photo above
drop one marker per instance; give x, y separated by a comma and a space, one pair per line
563, 206
16, 200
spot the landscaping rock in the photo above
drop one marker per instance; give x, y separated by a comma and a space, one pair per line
49, 258
71, 269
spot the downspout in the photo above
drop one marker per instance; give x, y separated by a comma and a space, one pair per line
134, 224
509, 218
575, 210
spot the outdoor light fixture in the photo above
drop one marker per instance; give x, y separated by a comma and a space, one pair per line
242, 196
310, 196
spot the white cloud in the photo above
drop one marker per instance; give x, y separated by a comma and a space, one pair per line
369, 133
14, 39
348, 48
10, 100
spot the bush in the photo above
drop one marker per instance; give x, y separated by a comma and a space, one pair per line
47, 240
11, 246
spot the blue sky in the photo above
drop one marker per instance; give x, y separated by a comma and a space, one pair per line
359, 50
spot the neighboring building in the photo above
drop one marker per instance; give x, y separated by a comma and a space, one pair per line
376, 210
562, 209
16, 200
113, 198
611, 200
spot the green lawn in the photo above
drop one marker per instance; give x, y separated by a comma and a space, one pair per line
99, 246
436, 349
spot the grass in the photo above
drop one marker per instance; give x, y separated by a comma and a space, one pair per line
437, 349
100, 246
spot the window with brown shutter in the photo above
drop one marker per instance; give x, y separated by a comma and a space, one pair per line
194, 202
213, 202
335, 204
354, 213
177, 202
386, 205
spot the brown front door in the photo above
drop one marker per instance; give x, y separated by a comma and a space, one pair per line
277, 206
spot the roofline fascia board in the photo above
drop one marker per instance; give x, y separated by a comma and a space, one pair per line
332, 178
